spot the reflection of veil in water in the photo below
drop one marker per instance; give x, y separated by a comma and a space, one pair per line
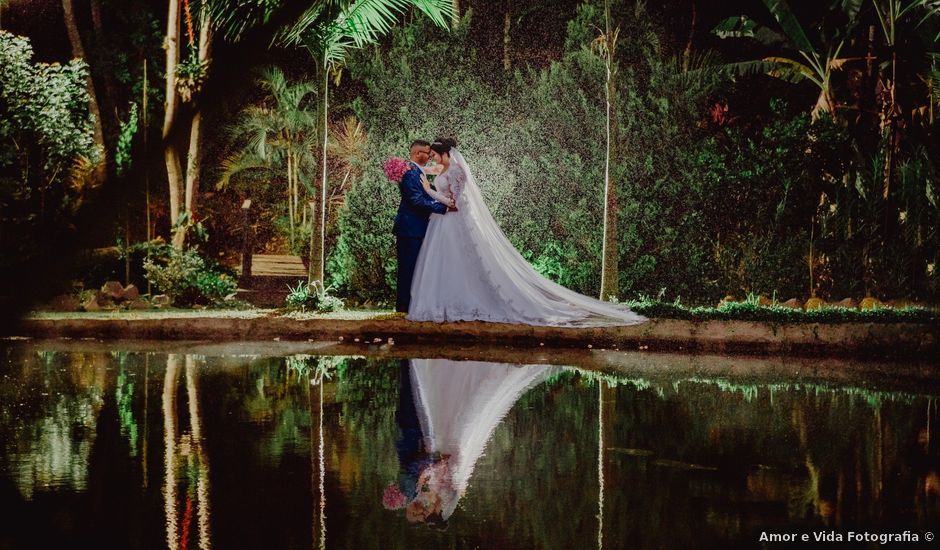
458, 406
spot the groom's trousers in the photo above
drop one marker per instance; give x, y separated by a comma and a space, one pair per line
408, 249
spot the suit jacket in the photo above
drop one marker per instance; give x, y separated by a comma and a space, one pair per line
415, 207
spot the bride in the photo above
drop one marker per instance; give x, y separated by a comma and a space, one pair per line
468, 270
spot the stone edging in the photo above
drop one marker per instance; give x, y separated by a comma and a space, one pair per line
864, 340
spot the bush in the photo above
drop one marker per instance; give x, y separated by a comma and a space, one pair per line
186, 277
48, 153
315, 297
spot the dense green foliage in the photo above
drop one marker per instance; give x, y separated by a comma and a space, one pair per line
186, 276
709, 204
48, 148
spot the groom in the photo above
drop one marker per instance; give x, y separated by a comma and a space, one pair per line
411, 222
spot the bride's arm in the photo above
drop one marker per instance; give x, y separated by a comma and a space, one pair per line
458, 180
439, 197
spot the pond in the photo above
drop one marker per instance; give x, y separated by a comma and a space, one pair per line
149, 449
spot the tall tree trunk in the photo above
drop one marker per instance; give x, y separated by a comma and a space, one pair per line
507, 39
110, 96
687, 52
171, 103
455, 17
78, 50
291, 207
194, 156
318, 223
609, 268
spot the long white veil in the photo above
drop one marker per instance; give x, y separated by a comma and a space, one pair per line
459, 406
533, 298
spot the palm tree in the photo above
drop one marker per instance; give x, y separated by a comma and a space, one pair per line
328, 29
329, 32
281, 135
606, 45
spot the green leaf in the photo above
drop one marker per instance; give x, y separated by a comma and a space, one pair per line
740, 26
788, 22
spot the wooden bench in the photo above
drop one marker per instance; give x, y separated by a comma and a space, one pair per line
263, 278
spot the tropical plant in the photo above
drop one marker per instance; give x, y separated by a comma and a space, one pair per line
606, 46
281, 135
312, 297
328, 30
814, 63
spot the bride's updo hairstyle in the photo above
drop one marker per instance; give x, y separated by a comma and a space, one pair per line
442, 146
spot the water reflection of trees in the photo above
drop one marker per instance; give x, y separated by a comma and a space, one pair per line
50, 405
696, 461
186, 464
723, 459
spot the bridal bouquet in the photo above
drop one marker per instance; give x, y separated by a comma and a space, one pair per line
395, 168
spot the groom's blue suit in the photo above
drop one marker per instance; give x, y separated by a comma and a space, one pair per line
411, 223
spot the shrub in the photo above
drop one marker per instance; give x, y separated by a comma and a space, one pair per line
315, 297
186, 277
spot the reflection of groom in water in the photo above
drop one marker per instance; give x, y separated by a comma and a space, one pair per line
411, 222
413, 457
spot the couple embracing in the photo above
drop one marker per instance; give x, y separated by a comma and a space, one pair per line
455, 263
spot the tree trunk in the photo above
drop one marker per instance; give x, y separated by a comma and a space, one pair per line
455, 17
507, 39
609, 268
194, 156
291, 208
171, 155
687, 52
110, 96
78, 51
318, 223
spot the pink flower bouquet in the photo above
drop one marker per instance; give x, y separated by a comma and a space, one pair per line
395, 168
393, 498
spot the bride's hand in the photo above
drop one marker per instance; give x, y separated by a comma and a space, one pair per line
425, 183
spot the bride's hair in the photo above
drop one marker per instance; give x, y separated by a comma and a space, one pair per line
443, 145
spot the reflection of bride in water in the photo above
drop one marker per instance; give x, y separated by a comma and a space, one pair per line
447, 412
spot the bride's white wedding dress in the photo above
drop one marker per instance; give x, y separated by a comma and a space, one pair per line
459, 406
468, 270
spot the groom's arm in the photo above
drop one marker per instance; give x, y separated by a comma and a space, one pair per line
414, 194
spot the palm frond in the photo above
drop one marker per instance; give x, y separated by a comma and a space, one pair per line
329, 35
235, 17
238, 163
782, 68
780, 9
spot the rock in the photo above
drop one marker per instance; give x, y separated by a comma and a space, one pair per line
792, 303
814, 303
161, 300
847, 303
900, 304
131, 293
870, 303
91, 302
113, 290
138, 303
764, 301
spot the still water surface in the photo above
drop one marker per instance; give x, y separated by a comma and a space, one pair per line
156, 450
